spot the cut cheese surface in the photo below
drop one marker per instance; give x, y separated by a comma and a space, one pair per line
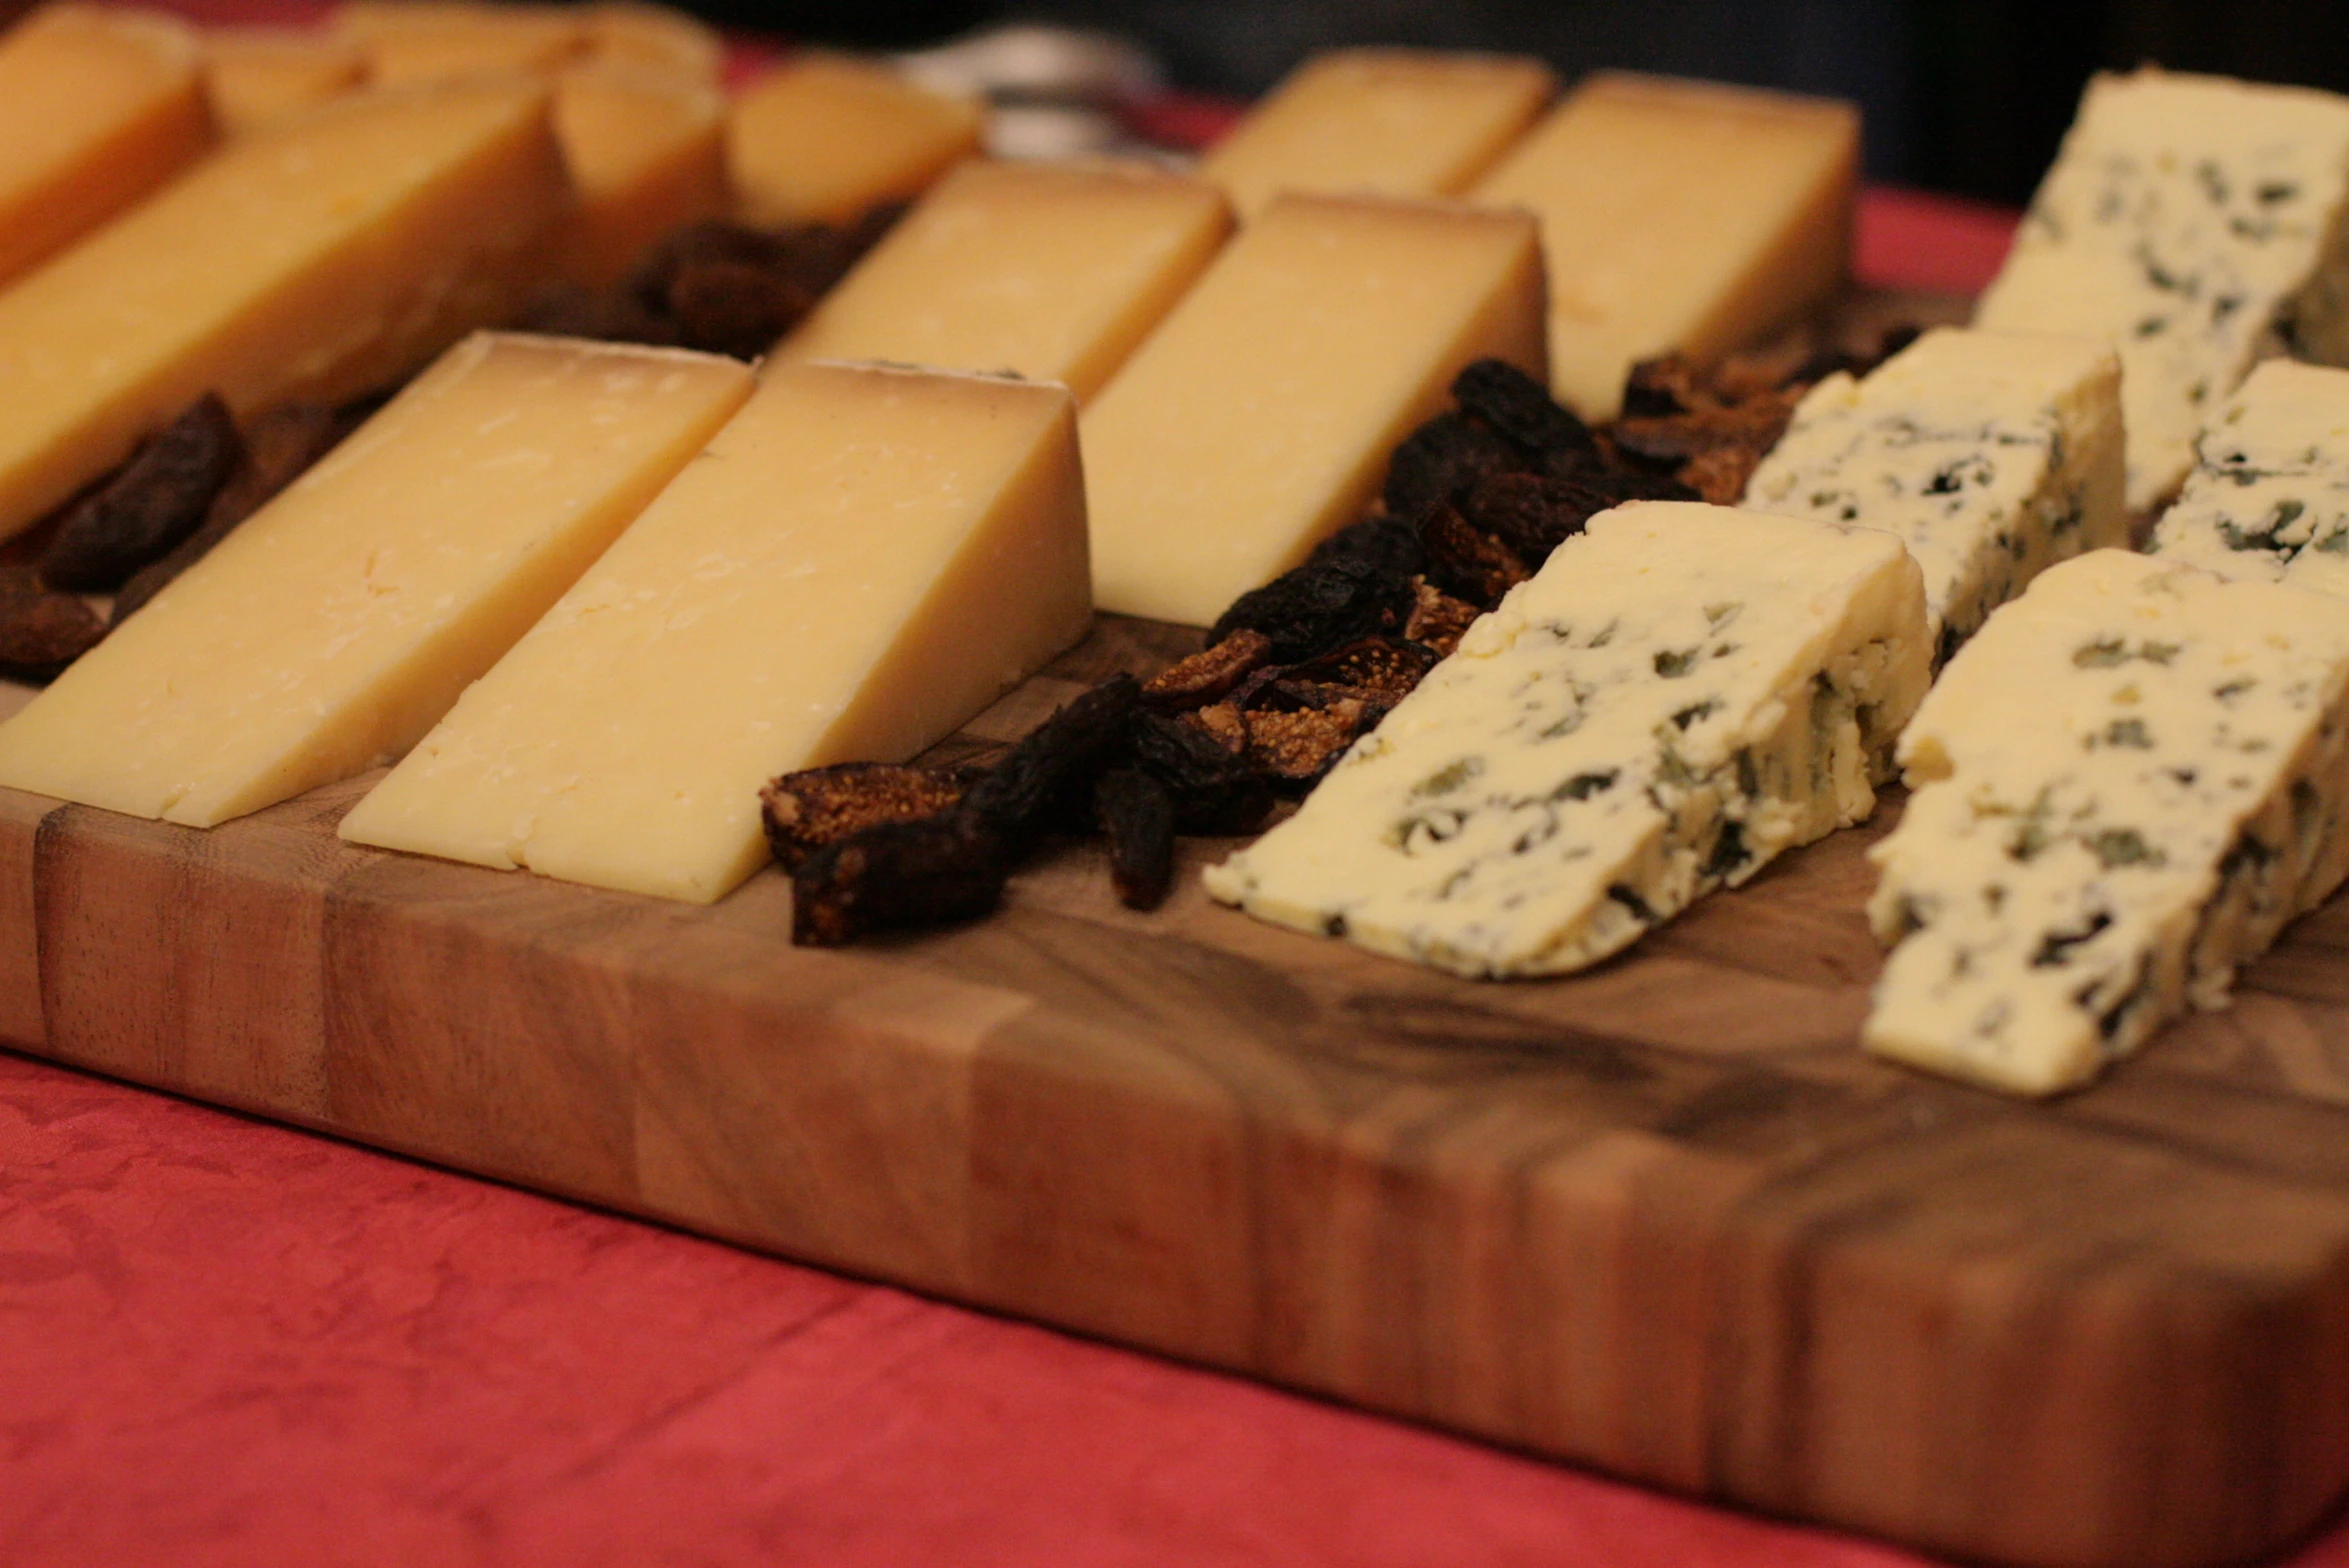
259, 77
340, 621
413, 41
1990, 455
2120, 790
2187, 220
1680, 693
1055, 272
863, 559
646, 149
2268, 500
826, 137
321, 261
98, 107
1382, 122
1678, 215
655, 37
1259, 416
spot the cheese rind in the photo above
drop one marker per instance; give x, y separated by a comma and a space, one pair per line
1055, 272
862, 560
1678, 215
1990, 455
260, 77
1679, 694
339, 622
2188, 220
98, 107
1382, 122
321, 262
2121, 789
826, 137
1259, 416
2268, 500
646, 150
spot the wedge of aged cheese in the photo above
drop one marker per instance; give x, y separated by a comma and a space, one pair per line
1678, 215
2122, 788
1679, 694
2189, 220
826, 137
655, 37
1053, 271
258, 77
319, 262
862, 560
1991, 455
98, 107
410, 41
1383, 122
647, 153
340, 621
1259, 416
2268, 500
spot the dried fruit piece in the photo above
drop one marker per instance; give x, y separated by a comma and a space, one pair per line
736, 308
1137, 816
1659, 387
1441, 460
152, 502
1019, 799
1532, 514
41, 630
1295, 749
1519, 407
573, 310
1210, 674
1437, 619
1381, 669
897, 875
1719, 476
1357, 581
1467, 563
1202, 763
807, 810
279, 446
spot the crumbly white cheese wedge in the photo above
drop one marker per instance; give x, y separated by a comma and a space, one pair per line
2124, 787
2268, 500
1992, 455
1681, 692
2188, 219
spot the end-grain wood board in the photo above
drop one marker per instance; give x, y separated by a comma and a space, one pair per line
1662, 1218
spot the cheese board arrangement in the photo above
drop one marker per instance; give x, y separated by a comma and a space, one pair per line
1538, 1071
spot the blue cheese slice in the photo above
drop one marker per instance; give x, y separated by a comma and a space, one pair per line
2198, 224
2123, 788
1991, 455
1681, 692
2268, 500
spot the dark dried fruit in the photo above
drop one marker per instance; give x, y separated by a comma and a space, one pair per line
1137, 816
1661, 386
1045, 779
1466, 563
1673, 442
1294, 749
1441, 460
1210, 674
573, 310
1437, 619
894, 876
1532, 514
1203, 766
152, 502
1356, 582
279, 446
729, 307
1720, 476
807, 810
42, 631
1519, 407
1380, 669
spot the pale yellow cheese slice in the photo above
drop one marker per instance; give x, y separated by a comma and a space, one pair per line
1387, 122
1259, 416
861, 561
1053, 271
647, 153
98, 107
631, 32
320, 261
412, 41
1679, 215
258, 77
825, 137
340, 621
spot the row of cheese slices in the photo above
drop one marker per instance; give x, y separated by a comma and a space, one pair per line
2126, 780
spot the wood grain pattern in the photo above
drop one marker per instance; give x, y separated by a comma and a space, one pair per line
1662, 1218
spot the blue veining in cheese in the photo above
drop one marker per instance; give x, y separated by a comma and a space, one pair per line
2268, 500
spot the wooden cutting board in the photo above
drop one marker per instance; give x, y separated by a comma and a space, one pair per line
1662, 1218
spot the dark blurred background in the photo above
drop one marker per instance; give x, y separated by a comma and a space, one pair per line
1965, 98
